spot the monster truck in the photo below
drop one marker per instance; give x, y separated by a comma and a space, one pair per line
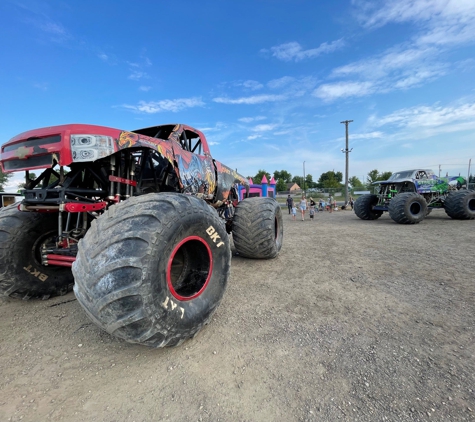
138, 222
409, 196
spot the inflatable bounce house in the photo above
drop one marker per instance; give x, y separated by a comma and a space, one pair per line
264, 189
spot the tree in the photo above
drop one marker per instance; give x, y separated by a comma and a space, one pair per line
355, 182
3, 180
284, 175
338, 176
298, 180
330, 179
258, 177
374, 176
386, 175
331, 182
309, 183
281, 186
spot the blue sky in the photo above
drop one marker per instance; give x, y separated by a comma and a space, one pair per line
267, 81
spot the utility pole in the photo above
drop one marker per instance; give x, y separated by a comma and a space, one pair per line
304, 179
346, 151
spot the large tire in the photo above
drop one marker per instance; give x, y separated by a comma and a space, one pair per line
364, 207
408, 208
153, 269
21, 273
460, 205
258, 228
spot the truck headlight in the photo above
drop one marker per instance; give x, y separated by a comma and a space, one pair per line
91, 147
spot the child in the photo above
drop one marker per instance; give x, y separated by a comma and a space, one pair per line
294, 211
312, 213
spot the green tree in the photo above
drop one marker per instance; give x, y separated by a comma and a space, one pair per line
338, 176
386, 175
331, 182
374, 176
284, 175
355, 182
258, 177
3, 180
330, 179
309, 183
298, 180
281, 186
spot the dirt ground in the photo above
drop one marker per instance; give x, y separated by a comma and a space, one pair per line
354, 321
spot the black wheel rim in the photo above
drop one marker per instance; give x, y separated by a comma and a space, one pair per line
415, 208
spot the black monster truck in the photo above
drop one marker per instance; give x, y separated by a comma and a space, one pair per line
409, 196
143, 219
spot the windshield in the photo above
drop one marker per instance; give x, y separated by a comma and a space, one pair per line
402, 175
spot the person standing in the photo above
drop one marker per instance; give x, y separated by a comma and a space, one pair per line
312, 213
312, 208
303, 206
330, 203
294, 211
290, 203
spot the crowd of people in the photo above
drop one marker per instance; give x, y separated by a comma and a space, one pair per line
313, 207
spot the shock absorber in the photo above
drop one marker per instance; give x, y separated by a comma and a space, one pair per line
112, 185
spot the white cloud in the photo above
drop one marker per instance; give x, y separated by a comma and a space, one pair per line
369, 135
280, 82
294, 51
283, 132
425, 122
381, 65
136, 75
333, 91
54, 31
251, 137
428, 116
272, 146
252, 85
443, 22
398, 68
145, 88
263, 128
418, 77
256, 99
136, 69
251, 119
151, 107
216, 128
437, 24
52, 28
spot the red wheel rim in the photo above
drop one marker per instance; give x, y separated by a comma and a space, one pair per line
189, 268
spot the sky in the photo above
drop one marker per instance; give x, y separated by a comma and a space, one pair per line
268, 81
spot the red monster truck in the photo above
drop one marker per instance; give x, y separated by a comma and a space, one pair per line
143, 219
